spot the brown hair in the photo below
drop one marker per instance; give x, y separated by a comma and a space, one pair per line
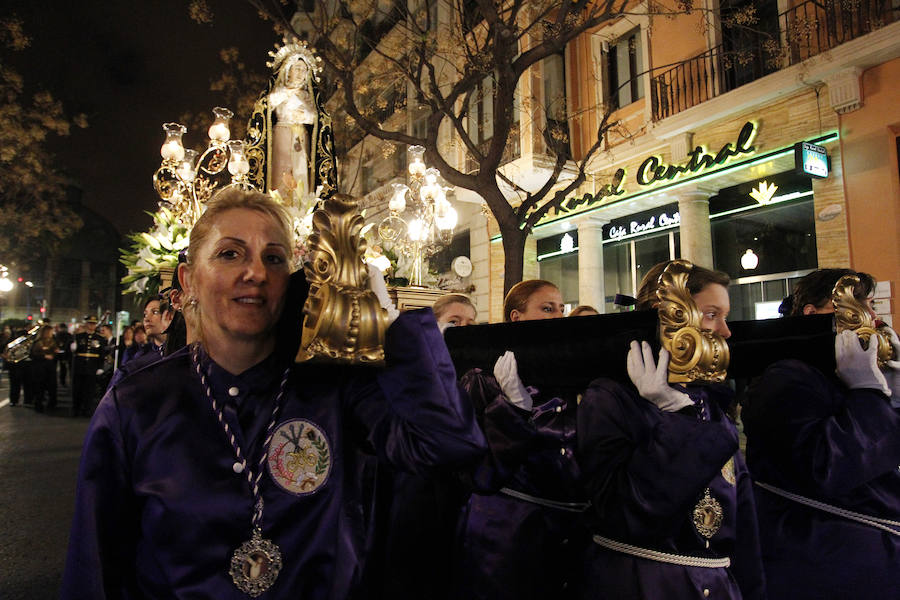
230, 198
233, 198
698, 279
518, 295
441, 304
816, 288
583, 310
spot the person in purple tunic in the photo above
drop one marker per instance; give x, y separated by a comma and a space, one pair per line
672, 511
519, 532
224, 471
824, 450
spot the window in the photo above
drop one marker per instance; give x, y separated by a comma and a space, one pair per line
554, 75
624, 67
481, 112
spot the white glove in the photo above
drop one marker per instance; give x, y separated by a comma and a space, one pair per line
507, 374
651, 380
892, 372
376, 284
99, 371
858, 368
73, 346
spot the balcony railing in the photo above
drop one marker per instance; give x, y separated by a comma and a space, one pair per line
513, 151
805, 31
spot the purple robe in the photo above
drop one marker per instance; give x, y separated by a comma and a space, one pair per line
809, 435
645, 471
512, 548
160, 510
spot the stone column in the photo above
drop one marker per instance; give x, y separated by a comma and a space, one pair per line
696, 237
590, 262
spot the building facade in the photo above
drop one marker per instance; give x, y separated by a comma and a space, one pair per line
707, 164
712, 109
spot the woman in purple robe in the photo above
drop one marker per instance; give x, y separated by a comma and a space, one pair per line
520, 531
824, 450
672, 512
224, 471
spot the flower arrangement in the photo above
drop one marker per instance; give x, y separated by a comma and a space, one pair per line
152, 258
300, 207
153, 254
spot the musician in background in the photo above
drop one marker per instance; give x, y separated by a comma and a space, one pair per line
19, 379
43, 368
5, 338
90, 349
64, 341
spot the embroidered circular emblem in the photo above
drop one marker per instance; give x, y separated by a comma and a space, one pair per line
728, 472
299, 457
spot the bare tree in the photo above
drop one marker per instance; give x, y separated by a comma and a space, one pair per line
375, 49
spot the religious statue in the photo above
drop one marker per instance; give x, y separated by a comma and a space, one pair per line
290, 141
294, 123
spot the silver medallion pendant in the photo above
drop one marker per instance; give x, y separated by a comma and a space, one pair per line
708, 515
255, 565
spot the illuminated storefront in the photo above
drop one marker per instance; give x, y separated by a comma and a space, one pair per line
746, 207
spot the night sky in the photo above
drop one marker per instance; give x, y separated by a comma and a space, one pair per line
129, 66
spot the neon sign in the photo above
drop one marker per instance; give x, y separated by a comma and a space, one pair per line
653, 169
662, 220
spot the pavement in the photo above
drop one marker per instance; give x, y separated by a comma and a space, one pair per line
39, 455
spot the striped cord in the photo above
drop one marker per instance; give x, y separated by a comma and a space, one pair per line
253, 478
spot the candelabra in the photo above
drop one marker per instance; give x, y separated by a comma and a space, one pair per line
185, 181
430, 218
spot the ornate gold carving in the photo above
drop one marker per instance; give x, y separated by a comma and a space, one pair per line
696, 354
257, 129
853, 315
344, 320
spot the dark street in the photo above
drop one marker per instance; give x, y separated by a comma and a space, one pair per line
38, 466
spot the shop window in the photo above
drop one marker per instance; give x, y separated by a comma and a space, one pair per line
782, 237
563, 272
649, 251
459, 246
616, 273
624, 68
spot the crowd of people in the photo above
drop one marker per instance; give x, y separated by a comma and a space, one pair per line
224, 470
90, 360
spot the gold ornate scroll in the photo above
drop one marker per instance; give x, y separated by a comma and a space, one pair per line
344, 321
853, 315
696, 354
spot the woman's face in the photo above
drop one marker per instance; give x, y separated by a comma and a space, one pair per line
544, 303
239, 278
714, 305
140, 336
153, 318
458, 315
296, 76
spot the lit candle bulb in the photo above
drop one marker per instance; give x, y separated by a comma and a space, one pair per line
416, 230
397, 203
219, 131
172, 149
